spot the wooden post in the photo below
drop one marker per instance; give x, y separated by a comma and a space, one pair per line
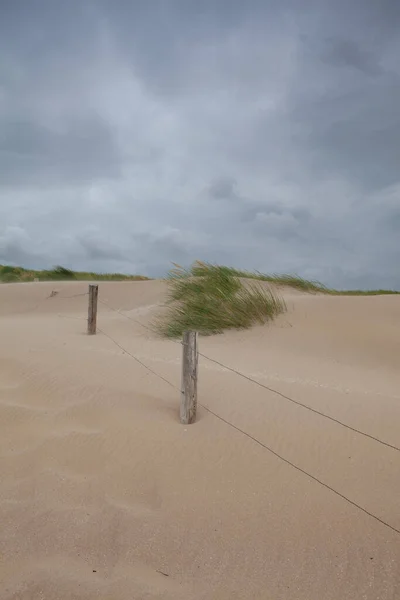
190, 360
92, 311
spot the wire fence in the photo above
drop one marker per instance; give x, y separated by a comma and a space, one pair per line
266, 387
245, 433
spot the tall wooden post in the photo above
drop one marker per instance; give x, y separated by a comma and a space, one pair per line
190, 360
92, 310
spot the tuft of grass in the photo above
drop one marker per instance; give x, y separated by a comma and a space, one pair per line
211, 299
60, 273
286, 279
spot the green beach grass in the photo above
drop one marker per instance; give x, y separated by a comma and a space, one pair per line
305, 285
9, 274
211, 299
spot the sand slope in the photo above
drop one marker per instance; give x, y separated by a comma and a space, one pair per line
105, 496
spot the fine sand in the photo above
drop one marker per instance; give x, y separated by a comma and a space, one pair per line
104, 495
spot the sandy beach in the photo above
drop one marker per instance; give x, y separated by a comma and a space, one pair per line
104, 495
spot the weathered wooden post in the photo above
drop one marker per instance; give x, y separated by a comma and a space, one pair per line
92, 310
190, 360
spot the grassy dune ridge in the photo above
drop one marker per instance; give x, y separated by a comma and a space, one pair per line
305, 285
11, 274
205, 297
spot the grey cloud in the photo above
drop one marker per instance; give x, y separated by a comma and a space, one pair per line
262, 135
12, 253
97, 248
282, 226
31, 153
347, 53
223, 189
391, 221
16, 249
354, 132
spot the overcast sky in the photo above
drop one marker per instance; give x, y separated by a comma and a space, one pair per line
261, 134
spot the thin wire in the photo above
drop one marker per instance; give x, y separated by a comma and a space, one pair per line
321, 414
248, 435
66, 297
126, 316
288, 398
288, 462
75, 295
136, 358
48, 298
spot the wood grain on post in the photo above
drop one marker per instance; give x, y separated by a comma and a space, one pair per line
190, 360
92, 311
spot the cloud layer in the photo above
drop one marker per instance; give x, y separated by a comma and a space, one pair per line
263, 135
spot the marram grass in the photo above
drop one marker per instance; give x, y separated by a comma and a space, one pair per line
211, 299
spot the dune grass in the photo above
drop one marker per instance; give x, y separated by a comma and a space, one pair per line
293, 281
305, 285
211, 299
9, 274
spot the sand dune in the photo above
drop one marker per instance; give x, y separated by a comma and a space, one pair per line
105, 496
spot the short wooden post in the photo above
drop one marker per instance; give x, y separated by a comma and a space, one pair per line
190, 360
92, 310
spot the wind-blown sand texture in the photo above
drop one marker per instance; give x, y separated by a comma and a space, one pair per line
104, 495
